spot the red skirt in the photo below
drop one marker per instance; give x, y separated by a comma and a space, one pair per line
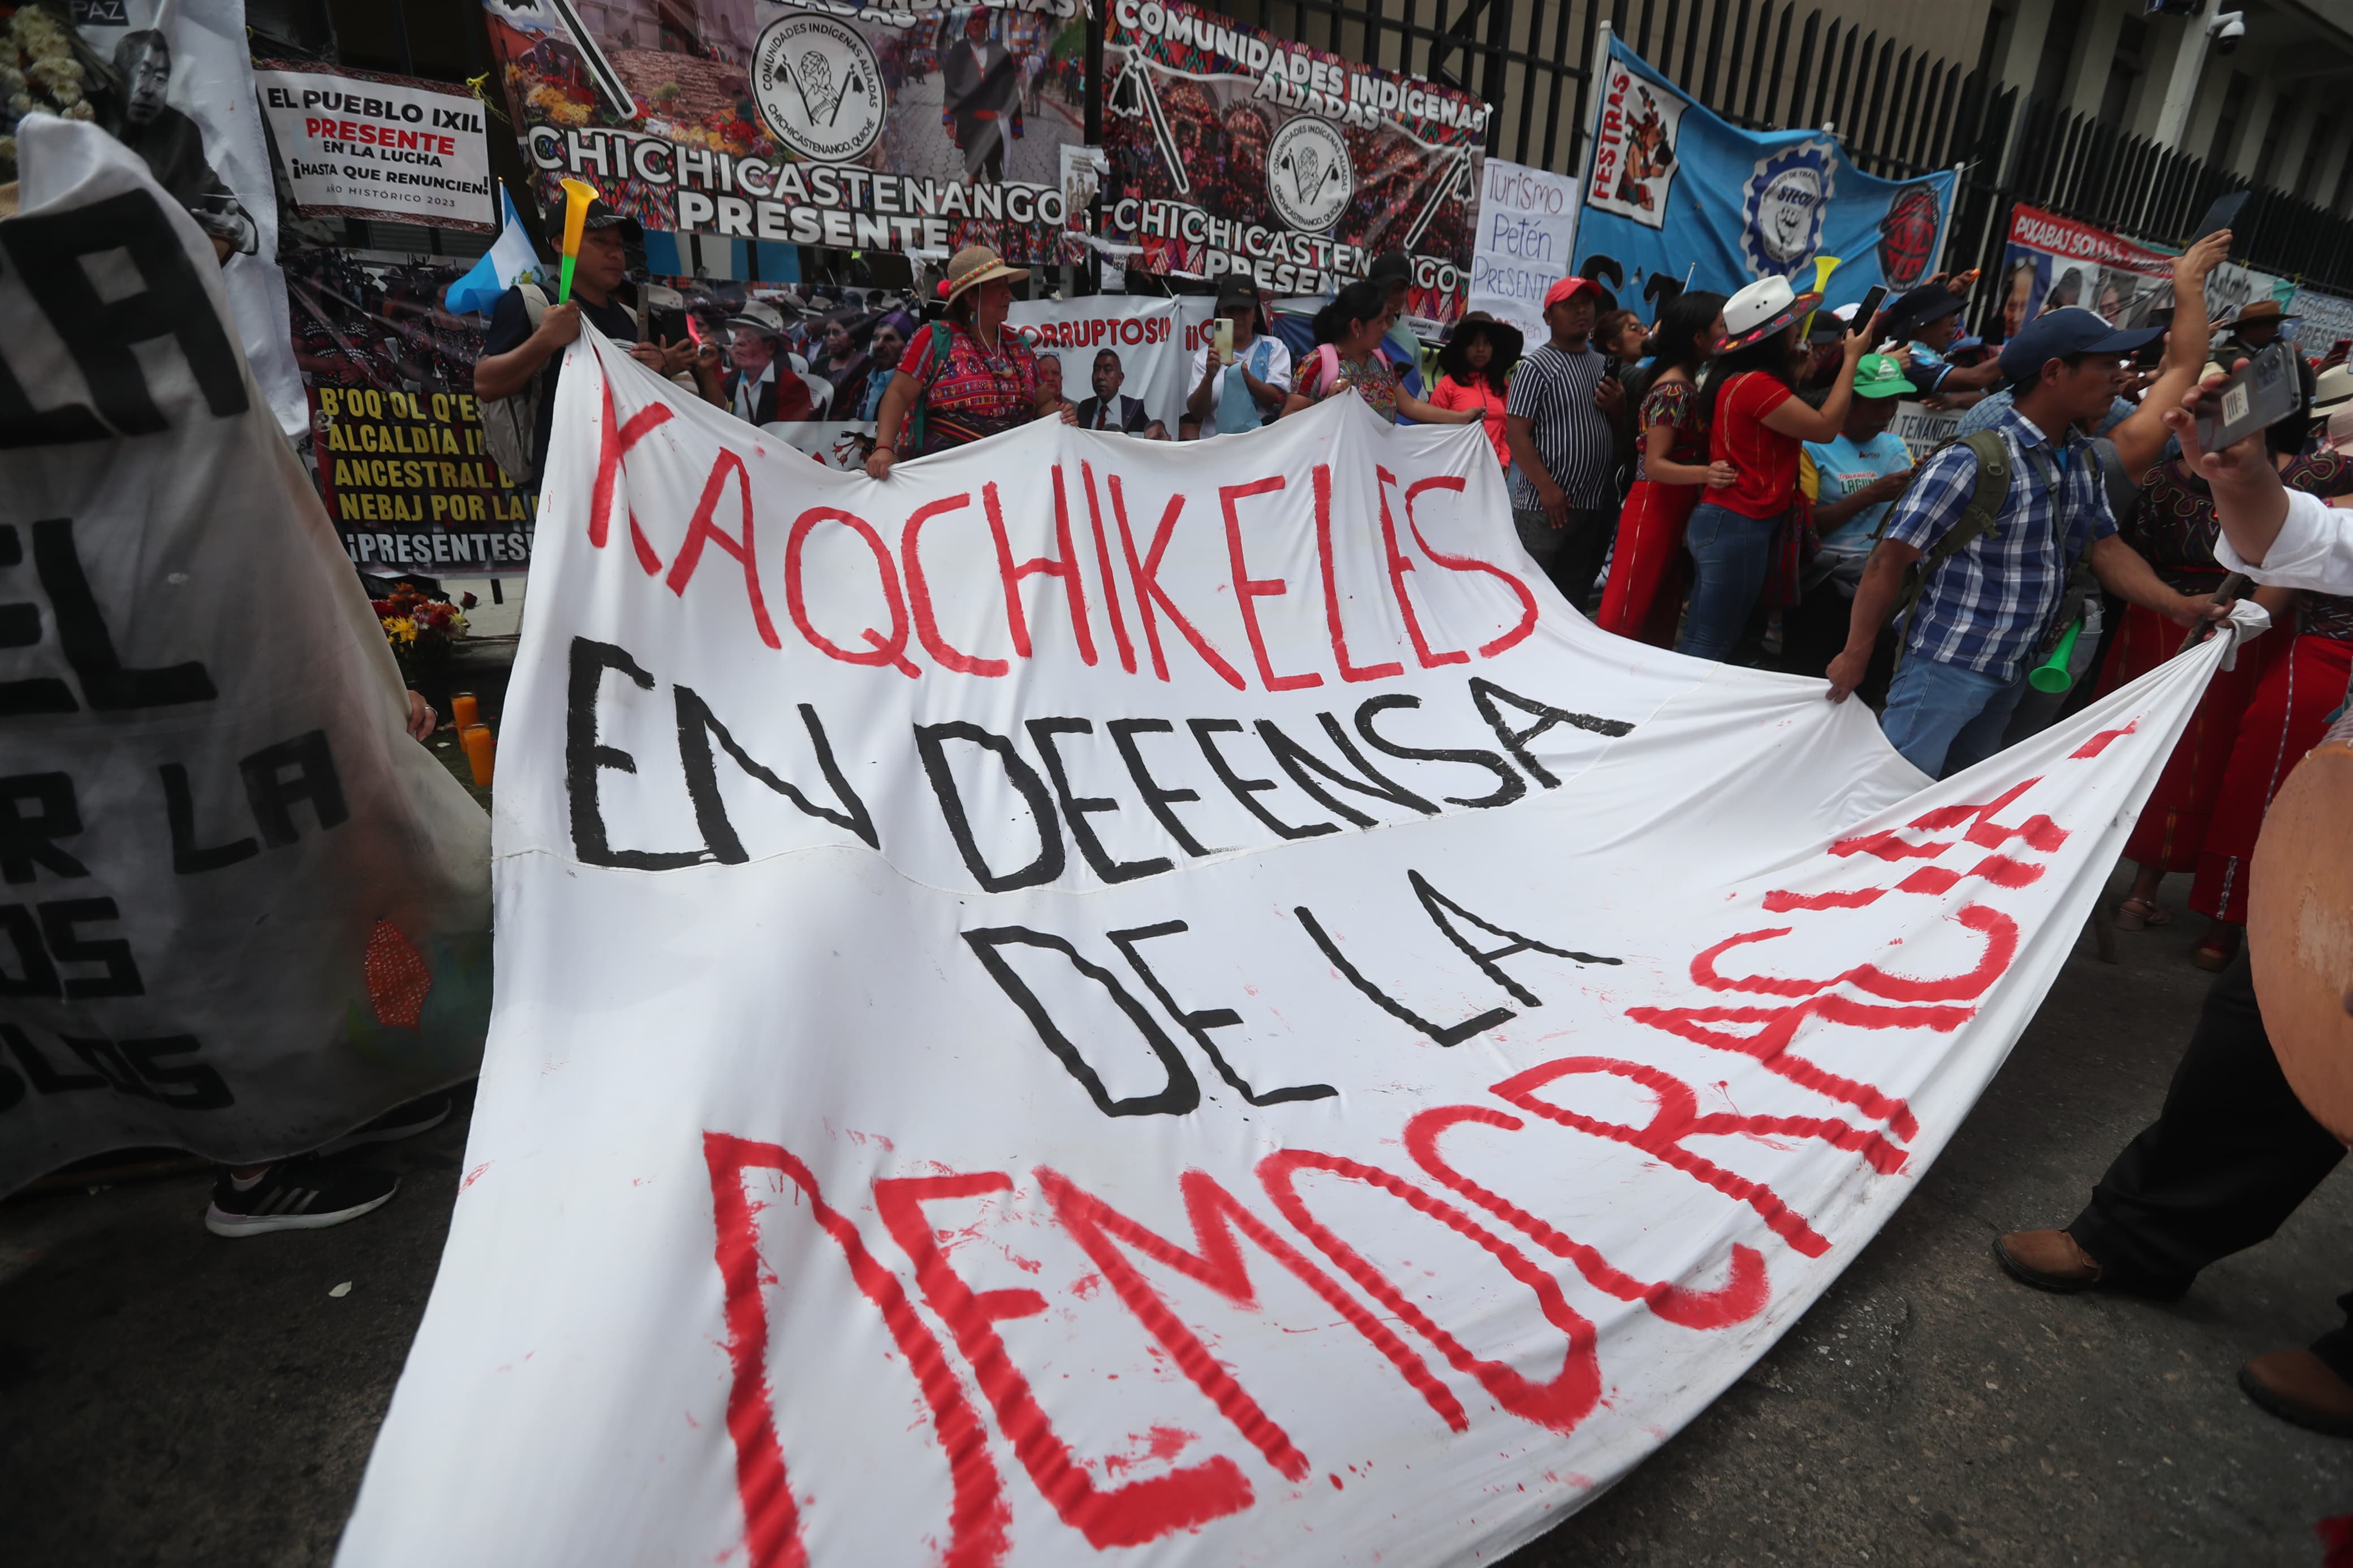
2300, 689
1650, 574
2171, 833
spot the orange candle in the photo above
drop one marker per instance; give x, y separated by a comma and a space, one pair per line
464, 711
482, 750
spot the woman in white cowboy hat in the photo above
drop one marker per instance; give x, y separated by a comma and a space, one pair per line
1756, 423
965, 376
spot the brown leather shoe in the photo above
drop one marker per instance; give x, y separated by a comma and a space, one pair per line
2046, 1259
2298, 1386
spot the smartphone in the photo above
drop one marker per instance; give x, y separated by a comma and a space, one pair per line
1222, 339
666, 327
1873, 299
2340, 348
2264, 391
2221, 214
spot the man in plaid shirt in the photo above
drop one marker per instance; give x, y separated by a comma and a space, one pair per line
1988, 612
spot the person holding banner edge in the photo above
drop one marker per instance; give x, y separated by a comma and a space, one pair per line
1995, 584
965, 377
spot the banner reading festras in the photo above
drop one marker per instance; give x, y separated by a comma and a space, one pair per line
241, 911
396, 446
1235, 150
1672, 189
1077, 1006
898, 126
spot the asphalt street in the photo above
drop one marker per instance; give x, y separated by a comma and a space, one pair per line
168, 1398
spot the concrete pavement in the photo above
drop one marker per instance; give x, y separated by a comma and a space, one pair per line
169, 1398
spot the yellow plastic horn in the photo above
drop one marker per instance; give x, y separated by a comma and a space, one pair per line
577, 194
1824, 267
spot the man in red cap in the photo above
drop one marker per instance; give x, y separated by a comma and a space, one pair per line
1562, 419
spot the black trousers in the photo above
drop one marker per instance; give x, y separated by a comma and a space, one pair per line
1571, 556
2226, 1162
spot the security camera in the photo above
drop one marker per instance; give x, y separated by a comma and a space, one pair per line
2228, 28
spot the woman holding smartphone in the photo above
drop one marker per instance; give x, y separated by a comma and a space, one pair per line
1238, 383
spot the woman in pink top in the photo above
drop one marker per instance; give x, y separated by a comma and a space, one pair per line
1474, 368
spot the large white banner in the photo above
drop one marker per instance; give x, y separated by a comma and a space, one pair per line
1098, 997
240, 911
356, 144
1523, 243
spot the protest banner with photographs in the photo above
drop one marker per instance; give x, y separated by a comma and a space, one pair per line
358, 145
397, 445
1123, 358
899, 126
2053, 261
172, 80
1674, 190
245, 912
1234, 150
1122, 1075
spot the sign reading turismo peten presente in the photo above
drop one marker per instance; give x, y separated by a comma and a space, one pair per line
1079, 1004
1235, 150
358, 145
1670, 184
903, 125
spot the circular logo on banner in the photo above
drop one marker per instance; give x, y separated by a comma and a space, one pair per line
1782, 207
818, 87
1308, 175
1907, 236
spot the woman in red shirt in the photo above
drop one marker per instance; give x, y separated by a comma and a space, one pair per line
1474, 367
1756, 423
1648, 574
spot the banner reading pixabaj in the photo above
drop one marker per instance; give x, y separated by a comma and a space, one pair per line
1670, 185
358, 145
903, 125
1235, 150
1101, 995
241, 911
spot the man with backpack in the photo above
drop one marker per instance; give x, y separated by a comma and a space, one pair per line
1994, 547
522, 352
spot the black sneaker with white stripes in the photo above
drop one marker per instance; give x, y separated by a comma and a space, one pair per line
296, 1195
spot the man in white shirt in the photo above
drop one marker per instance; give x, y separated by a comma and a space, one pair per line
2235, 1151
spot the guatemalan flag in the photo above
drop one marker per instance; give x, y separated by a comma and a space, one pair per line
509, 261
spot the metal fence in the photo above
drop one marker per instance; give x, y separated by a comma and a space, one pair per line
2072, 165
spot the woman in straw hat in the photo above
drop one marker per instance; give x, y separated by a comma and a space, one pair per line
965, 377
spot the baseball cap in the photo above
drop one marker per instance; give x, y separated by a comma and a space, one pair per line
1391, 266
1569, 289
1915, 308
1876, 375
1831, 325
599, 215
2071, 330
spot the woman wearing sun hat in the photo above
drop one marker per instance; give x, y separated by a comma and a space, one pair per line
1756, 423
965, 376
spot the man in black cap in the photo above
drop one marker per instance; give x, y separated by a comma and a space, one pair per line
522, 352
1927, 319
1999, 585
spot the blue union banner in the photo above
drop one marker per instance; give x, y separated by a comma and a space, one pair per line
1673, 189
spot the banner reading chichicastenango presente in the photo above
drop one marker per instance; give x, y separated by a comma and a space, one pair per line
1234, 148
396, 446
240, 911
897, 126
1669, 183
358, 145
1070, 1003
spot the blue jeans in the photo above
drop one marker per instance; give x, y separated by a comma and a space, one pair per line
1943, 718
1731, 552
